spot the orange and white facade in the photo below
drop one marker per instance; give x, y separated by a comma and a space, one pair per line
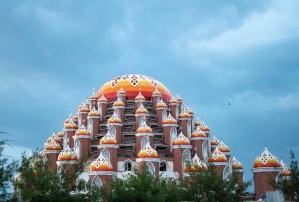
134, 120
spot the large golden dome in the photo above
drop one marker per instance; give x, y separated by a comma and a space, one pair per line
132, 84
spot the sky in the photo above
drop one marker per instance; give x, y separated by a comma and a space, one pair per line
53, 53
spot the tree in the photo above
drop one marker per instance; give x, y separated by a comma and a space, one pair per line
289, 186
7, 171
38, 183
139, 185
208, 185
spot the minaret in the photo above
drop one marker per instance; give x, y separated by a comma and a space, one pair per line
83, 112
199, 143
148, 156
180, 101
94, 116
169, 131
144, 134
156, 96
52, 149
114, 124
174, 109
196, 165
82, 140
286, 172
102, 106
238, 167
219, 160
139, 99
109, 143
141, 112
224, 149
120, 106
181, 153
66, 158
121, 94
161, 111
214, 143
93, 100
185, 122
70, 129
100, 171
205, 128
265, 165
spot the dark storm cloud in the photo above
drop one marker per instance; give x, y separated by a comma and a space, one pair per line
243, 52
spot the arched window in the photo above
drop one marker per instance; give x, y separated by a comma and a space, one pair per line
77, 147
65, 140
100, 108
59, 169
173, 134
79, 120
164, 115
176, 112
144, 142
189, 129
186, 158
112, 131
81, 186
97, 181
163, 166
90, 126
117, 112
205, 151
142, 121
128, 166
106, 154
150, 167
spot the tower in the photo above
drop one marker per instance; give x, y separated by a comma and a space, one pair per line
265, 165
52, 150
199, 142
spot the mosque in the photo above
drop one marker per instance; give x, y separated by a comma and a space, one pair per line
134, 120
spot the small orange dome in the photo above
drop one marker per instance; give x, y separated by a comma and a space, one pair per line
179, 99
217, 156
52, 145
67, 155
101, 164
147, 152
82, 131
121, 91
118, 103
75, 117
236, 164
203, 126
144, 129
55, 137
223, 147
161, 104
114, 119
108, 139
139, 97
198, 133
196, 165
214, 141
156, 92
266, 159
60, 134
141, 110
173, 100
181, 140
169, 120
84, 108
286, 172
93, 96
102, 99
184, 115
197, 122
94, 112
71, 125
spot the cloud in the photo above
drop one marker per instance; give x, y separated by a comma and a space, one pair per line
277, 24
